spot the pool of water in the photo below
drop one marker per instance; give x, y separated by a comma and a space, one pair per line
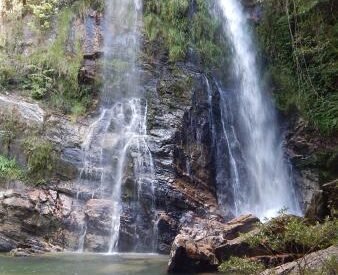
84, 264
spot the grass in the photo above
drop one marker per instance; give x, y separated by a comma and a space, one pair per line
244, 266
9, 170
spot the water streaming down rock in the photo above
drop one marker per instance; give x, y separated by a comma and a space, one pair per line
116, 153
266, 185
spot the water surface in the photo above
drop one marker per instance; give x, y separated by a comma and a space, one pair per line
84, 264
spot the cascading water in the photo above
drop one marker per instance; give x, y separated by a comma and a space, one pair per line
267, 186
116, 149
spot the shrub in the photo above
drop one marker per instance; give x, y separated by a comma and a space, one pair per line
39, 82
241, 266
43, 12
290, 234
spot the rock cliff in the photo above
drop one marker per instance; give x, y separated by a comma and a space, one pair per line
44, 216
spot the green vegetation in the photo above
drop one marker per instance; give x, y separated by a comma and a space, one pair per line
54, 70
50, 71
41, 163
9, 127
237, 265
170, 22
9, 170
286, 234
43, 12
40, 155
290, 234
41, 158
300, 39
244, 266
81, 7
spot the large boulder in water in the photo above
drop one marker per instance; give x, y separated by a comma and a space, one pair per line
194, 248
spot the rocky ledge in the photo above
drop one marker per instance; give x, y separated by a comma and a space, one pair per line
202, 243
30, 220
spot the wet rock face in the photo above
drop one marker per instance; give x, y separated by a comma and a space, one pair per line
181, 144
180, 137
98, 221
179, 140
98, 216
306, 178
304, 147
167, 230
91, 47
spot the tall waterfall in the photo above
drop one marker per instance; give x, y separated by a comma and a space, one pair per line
267, 185
116, 150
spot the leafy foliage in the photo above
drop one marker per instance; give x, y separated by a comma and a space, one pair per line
300, 39
183, 28
43, 12
49, 72
55, 68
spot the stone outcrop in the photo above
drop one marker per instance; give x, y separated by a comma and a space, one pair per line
98, 217
198, 244
312, 157
30, 113
32, 220
239, 247
180, 139
330, 193
321, 261
22, 119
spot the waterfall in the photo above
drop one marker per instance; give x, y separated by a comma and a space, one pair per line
116, 150
266, 186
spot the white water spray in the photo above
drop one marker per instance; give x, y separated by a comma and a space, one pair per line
270, 185
116, 147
